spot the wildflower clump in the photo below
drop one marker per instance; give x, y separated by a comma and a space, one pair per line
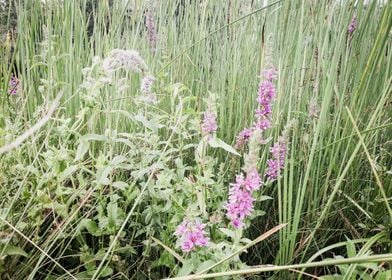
102, 72
353, 25
13, 85
278, 152
265, 97
276, 164
146, 84
191, 234
209, 124
240, 203
150, 26
147, 95
243, 137
263, 113
128, 60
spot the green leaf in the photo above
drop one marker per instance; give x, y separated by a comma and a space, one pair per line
112, 210
106, 272
331, 277
228, 232
10, 250
264, 197
118, 160
386, 275
94, 137
91, 227
205, 265
351, 252
153, 126
82, 149
120, 185
68, 172
186, 268
102, 175
218, 143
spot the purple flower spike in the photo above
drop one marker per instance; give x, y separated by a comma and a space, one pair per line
276, 164
243, 137
209, 123
266, 95
353, 25
151, 31
270, 74
13, 85
252, 181
146, 84
240, 204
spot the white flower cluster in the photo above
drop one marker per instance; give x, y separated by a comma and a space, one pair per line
128, 60
101, 73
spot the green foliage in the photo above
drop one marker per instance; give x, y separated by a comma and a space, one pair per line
102, 187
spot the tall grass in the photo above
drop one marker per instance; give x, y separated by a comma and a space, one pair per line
329, 192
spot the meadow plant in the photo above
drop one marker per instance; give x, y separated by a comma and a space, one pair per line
14, 85
243, 137
266, 95
209, 124
129, 60
151, 27
353, 25
191, 235
240, 203
146, 88
146, 84
110, 188
278, 153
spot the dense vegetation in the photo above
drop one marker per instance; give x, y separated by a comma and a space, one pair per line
155, 139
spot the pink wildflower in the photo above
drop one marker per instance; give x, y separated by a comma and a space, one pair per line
263, 112
353, 25
270, 74
209, 123
240, 203
151, 31
253, 180
146, 84
266, 95
13, 85
191, 234
243, 137
276, 164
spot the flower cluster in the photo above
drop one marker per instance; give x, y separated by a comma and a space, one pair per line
209, 124
13, 85
240, 204
243, 137
148, 96
266, 95
263, 113
146, 84
353, 25
129, 60
276, 164
191, 234
101, 73
150, 26
278, 152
